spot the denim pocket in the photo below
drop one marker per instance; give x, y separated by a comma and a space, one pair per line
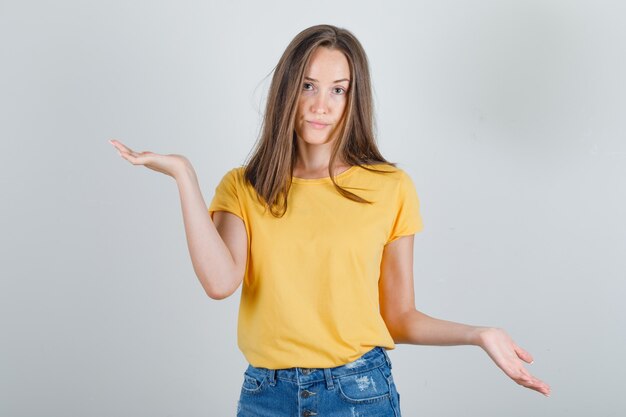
365, 387
254, 381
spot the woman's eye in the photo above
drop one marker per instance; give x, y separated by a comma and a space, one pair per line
339, 90
307, 86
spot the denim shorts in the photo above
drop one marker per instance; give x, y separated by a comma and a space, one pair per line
363, 387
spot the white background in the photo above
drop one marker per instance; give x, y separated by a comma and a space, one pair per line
508, 115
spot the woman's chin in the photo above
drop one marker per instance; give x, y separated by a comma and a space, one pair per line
315, 140
318, 142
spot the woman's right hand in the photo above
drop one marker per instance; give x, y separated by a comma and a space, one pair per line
170, 165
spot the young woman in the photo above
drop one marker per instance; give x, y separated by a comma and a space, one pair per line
319, 228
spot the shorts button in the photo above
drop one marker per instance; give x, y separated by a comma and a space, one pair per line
306, 371
307, 413
306, 393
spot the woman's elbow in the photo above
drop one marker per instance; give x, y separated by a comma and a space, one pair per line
221, 292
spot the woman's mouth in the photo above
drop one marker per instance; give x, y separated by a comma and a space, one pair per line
316, 125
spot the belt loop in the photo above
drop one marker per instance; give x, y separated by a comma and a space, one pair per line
386, 356
329, 378
272, 377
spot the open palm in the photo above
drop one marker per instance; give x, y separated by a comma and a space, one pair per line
167, 164
509, 357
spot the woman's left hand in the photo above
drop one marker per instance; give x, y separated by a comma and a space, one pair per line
508, 356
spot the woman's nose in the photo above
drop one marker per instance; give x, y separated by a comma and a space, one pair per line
319, 104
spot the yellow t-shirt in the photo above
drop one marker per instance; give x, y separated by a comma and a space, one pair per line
310, 292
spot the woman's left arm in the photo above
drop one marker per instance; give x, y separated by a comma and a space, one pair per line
409, 326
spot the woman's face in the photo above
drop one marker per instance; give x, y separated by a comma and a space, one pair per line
323, 97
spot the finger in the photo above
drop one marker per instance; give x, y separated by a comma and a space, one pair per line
130, 153
540, 387
523, 377
524, 355
537, 383
116, 143
529, 381
135, 160
121, 147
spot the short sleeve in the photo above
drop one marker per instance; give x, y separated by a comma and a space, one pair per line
226, 196
407, 219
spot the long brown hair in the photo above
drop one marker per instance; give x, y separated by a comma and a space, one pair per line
270, 167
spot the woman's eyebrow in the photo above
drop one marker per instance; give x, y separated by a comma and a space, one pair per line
336, 81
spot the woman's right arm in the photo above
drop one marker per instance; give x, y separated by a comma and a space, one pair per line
218, 246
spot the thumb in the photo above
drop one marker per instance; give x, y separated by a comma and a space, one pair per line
523, 355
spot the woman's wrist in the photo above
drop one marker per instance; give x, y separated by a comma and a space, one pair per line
184, 171
477, 335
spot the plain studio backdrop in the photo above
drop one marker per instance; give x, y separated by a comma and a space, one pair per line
508, 115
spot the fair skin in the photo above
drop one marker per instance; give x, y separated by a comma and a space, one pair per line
322, 104
218, 245
408, 325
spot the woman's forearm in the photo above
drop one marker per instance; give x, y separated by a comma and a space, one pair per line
417, 328
212, 261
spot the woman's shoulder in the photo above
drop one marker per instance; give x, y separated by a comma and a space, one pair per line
233, 178
385, 170
236, 173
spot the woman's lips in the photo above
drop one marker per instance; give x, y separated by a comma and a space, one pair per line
316, 125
